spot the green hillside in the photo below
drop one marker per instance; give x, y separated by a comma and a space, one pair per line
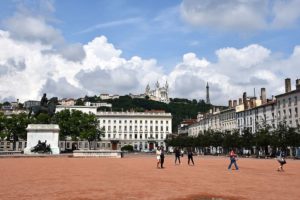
180, 108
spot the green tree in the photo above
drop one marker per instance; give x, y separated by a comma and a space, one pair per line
76, 124
15, 126
2, 127
232, 140
247, 139
90, 129
263, 137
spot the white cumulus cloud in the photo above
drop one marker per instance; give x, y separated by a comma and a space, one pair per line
241, 15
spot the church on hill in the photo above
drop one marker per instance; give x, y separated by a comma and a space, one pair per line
158, 93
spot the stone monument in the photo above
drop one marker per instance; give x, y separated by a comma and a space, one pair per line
39, 135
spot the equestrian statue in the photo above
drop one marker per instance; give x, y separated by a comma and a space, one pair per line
46, 106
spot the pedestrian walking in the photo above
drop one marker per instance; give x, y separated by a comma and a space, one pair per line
158, 152
177, 155
190, 156
233, 158
162, 157
281, 160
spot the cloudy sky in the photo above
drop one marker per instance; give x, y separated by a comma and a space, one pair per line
72, 48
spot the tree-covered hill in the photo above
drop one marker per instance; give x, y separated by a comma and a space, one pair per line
180, 108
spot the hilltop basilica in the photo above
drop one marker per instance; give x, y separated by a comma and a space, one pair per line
158, 93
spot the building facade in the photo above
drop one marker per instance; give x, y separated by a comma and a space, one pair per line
288, 105
142, 130
253, 113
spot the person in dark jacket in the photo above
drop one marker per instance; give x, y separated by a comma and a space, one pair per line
190, 156
162, 157
177, 155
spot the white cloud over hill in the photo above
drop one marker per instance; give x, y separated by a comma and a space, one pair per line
35, 58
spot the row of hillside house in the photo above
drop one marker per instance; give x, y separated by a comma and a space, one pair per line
107, 96
252, 113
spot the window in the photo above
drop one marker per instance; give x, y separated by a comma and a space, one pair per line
109, 121
161, 128
108, 128
156, 128
130, 128
125, 121
150, 121
141, 128
103, 121
115, 121
146, 122
146, 136
283, 103
295, 100
290, 113
290, 101
167, 128
141, 121
130, 136
135, 136
278, 104
156, 122
156, 136
130, 121
108, 136
125, 136
161, 122
296, 112
120, 121
135, 121
167, 122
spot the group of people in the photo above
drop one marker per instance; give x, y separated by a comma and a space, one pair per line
160, 155
179, 153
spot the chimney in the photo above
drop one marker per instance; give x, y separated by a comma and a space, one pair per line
240, 101
245, 101
252, 102
234, 103
230, 103
263, 96
297, 84
287, 85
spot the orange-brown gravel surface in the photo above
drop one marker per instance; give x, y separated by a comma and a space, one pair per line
136, 177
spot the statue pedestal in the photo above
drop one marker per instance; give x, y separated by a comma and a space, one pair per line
42, 132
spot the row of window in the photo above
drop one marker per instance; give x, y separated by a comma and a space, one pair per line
133, 121
289, 102
290, 113
130, 128
134, 136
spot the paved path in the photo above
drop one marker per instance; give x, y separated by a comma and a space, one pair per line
136, 177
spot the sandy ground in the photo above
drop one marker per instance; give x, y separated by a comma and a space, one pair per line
136, 177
